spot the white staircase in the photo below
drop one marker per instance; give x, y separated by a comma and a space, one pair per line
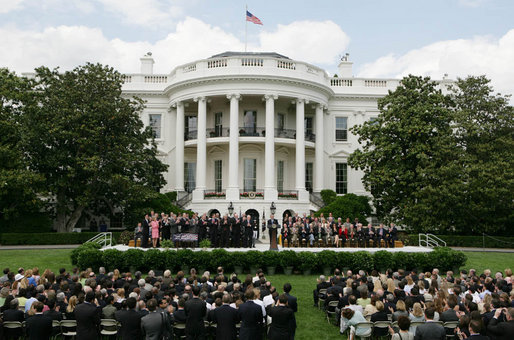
430, 241
103, 239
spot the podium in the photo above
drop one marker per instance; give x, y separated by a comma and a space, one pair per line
273, 240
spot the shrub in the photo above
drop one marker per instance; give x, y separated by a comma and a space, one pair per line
154, 259
327, 259
288, 258
362, 260
167, 244
349, 205
344, 260
254, 258
184, 257
113, 259
133, 259
383, 260
308, 261
75, 252
125, 237
205, 243
171, 260
328, 196
271, 258
90, 258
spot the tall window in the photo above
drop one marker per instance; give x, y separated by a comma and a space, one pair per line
308, 177
308, 126
280, 176
189, 176
191, 127
218, 125
341, 129
341, 178
250, 122
218, 177
280, 122
250, 174
155, 125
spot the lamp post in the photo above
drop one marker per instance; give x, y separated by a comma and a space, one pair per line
273, 226
272, 208
230, 209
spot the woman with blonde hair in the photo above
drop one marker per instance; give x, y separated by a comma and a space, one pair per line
416, 315
390, 285
70, 310
400, 310
410, 284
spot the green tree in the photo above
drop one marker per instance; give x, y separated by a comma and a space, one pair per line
407, 154
349, 205
19, 186
89, 142
484, 128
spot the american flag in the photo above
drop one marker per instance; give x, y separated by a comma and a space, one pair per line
252, 18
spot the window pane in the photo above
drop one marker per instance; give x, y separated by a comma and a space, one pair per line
155, 124
218, 179
341, 178
308, 125
189, 176
250, 121
280, 121
280, 176
308, 176
250, 172
341, 129
218, 125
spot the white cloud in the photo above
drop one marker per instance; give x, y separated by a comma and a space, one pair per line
459, 58
7, 6
310, 41
192, 39
150, 13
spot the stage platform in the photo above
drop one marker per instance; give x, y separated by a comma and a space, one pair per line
265, 246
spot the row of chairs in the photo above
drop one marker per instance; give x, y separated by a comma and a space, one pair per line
352, 243
64, 328
372, 326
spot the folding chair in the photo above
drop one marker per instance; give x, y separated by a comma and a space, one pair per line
381, 325
366, 327
415, 324
321, 301
12, 328
331, 312
450, 326
56, 329
179, 330
69, 328
108, 327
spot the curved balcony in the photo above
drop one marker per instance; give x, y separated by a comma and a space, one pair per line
249, 132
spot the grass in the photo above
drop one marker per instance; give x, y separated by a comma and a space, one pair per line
312, 323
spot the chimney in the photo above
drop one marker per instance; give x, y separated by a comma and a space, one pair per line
345, 67
147, 63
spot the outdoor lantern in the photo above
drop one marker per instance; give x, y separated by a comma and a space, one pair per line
272, 209
230, 208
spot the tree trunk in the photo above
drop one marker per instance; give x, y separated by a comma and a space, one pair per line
75, 216
61, 221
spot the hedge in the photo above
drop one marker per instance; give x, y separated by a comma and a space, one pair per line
49, 238
88, 256
476, 241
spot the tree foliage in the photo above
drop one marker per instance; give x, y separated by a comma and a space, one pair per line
440, 161
347, 206
19, 186
89, 142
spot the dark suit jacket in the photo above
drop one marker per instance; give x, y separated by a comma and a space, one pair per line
39, 327
501, 330
53, 314
226, 319
196, 310
251, 321
478, 337
292, 303
282, 317
180, 316
130, 323
88, 320
430, 330
13, 315
449, 315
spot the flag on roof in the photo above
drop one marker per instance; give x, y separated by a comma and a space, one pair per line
252, 18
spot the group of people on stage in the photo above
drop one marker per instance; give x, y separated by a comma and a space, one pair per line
335, 232
235, 231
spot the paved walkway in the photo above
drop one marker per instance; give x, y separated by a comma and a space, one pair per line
45, 246
487, 250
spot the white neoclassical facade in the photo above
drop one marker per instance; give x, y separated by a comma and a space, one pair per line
255, 129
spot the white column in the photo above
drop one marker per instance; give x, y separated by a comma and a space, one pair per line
201, 149
232, 193
270, 184
300, 150
179, 148
318, 169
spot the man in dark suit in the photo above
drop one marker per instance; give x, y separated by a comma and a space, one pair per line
475, 326
322, 284
154, 325
272, 223
251, 317
430, 330
195, 309
146, 232
502, 330
130, 321
179, 315
393, 235
236, 231
39, 327
226, 319
13, 314
291, 303
88, 318
282, 317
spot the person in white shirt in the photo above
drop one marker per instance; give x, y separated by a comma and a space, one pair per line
259, 302
268, 299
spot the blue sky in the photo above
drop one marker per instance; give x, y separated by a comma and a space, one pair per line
384, 38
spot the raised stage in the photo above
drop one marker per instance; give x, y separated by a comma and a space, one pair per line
260, 246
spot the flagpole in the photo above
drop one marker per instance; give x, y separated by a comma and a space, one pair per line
246, 26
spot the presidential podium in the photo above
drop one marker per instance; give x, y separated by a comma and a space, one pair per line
273, 240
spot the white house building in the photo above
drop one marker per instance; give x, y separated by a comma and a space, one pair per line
255, 129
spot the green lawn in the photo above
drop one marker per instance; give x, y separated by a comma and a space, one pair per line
312, 323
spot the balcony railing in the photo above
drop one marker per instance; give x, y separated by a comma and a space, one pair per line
212, 194
190, 135
218, 132
248, 194
252, 131
288, 195
291, 134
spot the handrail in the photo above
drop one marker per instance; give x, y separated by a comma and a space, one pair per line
315, 198
182, 202
103, 239
430, 241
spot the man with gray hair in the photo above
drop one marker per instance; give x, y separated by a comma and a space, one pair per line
322, 284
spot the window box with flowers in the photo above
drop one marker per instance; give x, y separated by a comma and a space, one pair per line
214, 194
288, 195
251, 194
